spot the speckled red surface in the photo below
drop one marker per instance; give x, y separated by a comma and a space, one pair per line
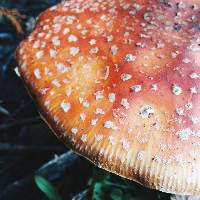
118, 81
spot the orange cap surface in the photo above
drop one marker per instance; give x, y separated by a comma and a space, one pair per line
118, 81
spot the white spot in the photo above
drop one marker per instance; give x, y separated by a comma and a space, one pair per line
130, 130
48, 35
62, 68
111, 97
39, 54
154, 87
65, 80
146, 111
47, 103
194, 75
94, 122
178, 158
111, 140
52, 53
197, 133
85, 104
140, 44
114, 49
21, 51
47, 71
125, 103
66, 30
176, 89
84, 137
98, 94
98, 137
36, 44
74, 51
160, 45
24, 65
180, 111
181, 5
126, 77
156, 125
125, 144
194, 119
94, 50
44, 90
37, 73
147, 16
82, 116
186, 60
194, 47
175, 54
109, 38
189, 106
138, 6
52, 92
141, 155
56, 41
74, 131
99, 111
70, 19
110, 124
136, 88
68, 92
92, 42
107, 72
193, 90
116, 67
129, 58
184, 134
72, 38
132, 12
56, 83
65, 106
40, 35
17, 71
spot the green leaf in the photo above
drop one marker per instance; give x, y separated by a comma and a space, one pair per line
116, 194
47, 188
98, 193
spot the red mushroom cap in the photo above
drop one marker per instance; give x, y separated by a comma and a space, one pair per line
118, 81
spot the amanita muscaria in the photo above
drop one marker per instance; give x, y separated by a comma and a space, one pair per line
118, 81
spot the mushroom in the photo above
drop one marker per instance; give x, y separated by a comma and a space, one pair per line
118, 81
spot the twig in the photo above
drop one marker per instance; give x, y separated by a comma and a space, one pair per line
33, 149
3, 111
21, 122
14, 16
82, 195
9, 59
53, 170
18, 111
